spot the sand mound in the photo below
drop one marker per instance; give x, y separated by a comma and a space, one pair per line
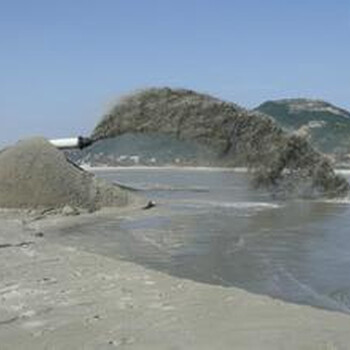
34, 174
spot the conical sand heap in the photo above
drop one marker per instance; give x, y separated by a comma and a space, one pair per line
34, 174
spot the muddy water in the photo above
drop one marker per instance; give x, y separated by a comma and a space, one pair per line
211, 226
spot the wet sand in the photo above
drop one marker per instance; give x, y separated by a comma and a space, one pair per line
55, 296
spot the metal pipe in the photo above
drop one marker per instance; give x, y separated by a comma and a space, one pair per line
72, 143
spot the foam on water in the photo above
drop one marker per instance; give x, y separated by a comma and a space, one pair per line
345, 200
342, 171
233, 205
163, 187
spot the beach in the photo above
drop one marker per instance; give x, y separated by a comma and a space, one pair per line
56, 296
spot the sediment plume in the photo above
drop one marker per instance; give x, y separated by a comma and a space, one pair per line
34, 175
287, 164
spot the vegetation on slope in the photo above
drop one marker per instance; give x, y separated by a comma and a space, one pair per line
326, 126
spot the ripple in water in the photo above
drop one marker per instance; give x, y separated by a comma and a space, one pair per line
233, 235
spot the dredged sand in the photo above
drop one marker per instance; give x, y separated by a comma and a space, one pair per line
54, 296
35, 175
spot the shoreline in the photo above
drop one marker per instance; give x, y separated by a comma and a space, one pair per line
106, 168
168, 167
62, 297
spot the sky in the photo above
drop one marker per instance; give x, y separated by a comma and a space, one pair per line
64, 63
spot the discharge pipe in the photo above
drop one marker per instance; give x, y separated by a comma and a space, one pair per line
79, 142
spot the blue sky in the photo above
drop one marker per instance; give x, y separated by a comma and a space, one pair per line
63, 63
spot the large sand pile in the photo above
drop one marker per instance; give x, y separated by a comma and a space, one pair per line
34, 174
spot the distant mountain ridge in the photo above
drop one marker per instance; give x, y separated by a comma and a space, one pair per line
326, 126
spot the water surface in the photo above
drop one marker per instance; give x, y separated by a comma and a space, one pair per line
211, 226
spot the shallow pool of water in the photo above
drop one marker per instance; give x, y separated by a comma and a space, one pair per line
211, 226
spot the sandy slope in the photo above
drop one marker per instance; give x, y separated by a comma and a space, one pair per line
58, 297
35, 174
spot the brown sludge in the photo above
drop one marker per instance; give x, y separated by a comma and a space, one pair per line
34, 174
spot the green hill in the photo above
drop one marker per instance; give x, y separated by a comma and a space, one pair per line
326, 126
